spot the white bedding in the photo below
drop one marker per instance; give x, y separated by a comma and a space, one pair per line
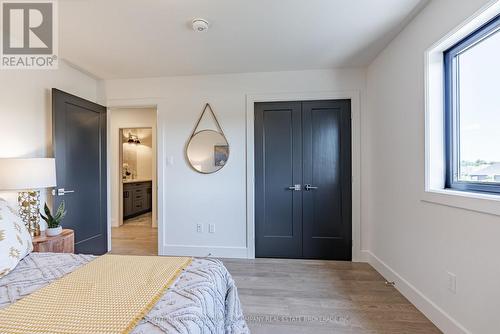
203, 300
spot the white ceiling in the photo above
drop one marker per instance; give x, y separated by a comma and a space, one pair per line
151, 38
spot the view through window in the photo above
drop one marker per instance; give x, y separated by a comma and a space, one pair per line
479, 111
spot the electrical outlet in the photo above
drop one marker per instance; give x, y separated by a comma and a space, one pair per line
199, 228
452, 283
211, 228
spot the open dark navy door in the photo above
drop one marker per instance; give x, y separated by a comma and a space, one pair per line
79, 138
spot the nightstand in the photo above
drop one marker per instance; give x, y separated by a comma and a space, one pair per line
62, 243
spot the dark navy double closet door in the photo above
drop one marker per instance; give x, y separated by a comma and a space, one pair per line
303, 180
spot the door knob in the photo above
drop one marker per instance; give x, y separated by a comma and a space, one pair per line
295, 187
308, 187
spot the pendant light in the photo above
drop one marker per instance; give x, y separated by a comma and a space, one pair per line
130, 139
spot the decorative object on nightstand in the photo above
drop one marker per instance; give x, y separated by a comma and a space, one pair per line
62, 243
28, 175
54, 221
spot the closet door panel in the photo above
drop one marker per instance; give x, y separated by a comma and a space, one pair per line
278, 167
327, 180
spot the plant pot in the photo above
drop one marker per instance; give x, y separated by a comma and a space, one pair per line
52, 232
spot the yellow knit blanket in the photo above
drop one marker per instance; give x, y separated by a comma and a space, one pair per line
109, 295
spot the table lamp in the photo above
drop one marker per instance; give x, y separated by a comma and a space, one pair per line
28, 176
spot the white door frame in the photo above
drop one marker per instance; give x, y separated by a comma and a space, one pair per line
352, 95
160, 173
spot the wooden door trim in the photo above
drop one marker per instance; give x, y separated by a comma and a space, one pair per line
354, 95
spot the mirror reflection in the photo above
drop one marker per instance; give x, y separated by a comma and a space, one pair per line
208, 151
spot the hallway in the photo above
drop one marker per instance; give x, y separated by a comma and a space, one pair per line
135, 237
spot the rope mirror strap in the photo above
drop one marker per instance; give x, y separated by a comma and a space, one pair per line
207, 106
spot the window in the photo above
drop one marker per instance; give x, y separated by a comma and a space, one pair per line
472, 111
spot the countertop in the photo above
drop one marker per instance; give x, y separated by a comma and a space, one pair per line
136, 180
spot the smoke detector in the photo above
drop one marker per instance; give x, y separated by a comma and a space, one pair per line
200, 25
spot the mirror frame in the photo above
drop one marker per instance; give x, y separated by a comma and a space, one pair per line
195, 132
189, 143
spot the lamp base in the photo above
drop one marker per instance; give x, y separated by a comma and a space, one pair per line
29, 210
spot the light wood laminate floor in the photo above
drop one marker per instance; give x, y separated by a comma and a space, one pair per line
135, 237
310, 296
303, 296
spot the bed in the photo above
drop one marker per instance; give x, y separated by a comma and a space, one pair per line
203, 299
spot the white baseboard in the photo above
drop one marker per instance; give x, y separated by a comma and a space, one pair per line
204, 251
364, 256
438, 316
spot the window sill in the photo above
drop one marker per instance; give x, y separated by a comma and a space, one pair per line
484, 203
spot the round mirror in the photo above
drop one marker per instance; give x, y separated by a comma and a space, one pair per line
207, 151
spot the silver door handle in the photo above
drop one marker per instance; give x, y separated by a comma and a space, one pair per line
295, 187
62, 192
308, 187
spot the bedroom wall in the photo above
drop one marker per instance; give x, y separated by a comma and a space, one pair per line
415, 242
190, 198
26, 110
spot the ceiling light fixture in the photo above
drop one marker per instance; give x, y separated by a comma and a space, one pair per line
133, 139
200, 25
130, 139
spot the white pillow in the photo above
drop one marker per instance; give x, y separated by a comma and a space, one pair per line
15, 240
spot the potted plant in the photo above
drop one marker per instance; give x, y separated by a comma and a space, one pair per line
54, 221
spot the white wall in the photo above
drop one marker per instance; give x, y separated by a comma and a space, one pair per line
190, 198
145, 160
26, 109
120, 118
420, 241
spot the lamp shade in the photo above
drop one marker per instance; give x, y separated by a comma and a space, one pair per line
24, 174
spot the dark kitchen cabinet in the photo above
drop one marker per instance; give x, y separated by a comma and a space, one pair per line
137, 198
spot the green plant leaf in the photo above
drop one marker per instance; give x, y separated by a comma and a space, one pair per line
60, 213
47, 212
